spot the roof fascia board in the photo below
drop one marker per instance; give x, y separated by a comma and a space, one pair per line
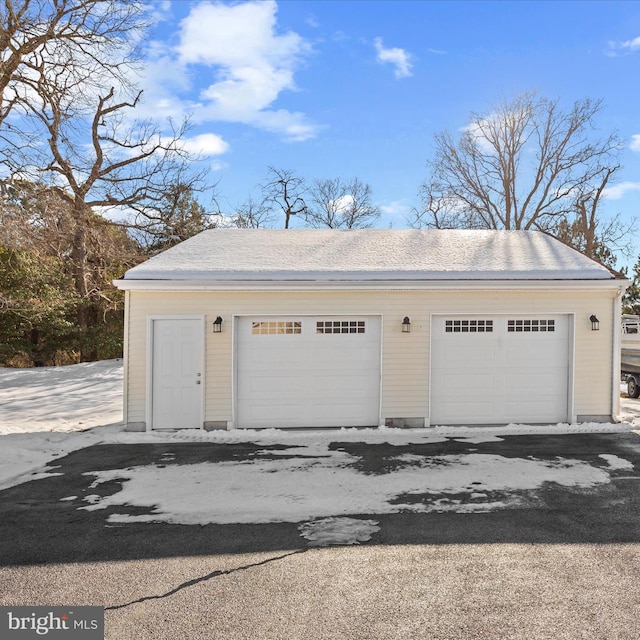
395, 285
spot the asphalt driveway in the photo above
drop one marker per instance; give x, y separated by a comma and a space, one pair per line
560, 563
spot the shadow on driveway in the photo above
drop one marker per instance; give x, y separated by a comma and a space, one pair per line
40, 525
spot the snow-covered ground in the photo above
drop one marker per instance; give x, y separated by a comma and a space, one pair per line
47, 413
60, 398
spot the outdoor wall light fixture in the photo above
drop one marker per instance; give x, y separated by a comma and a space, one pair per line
595, 323
217, 325
406, 325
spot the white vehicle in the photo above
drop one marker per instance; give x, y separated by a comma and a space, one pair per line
630, 354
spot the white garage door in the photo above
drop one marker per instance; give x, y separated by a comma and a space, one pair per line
298, 371
501, 369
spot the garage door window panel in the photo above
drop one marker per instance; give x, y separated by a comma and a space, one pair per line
277, 327
468, 326
531, 326
340, 326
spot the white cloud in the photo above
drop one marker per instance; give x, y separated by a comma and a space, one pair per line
618, 191
626, 46
251, 64
343, 203
635, 142
631, 44
163, 81
395, 208
399, 58
294, 125
205, 144
245, 63
218, 165
479, 131
488, 131
236, 35
159, 11
312, 21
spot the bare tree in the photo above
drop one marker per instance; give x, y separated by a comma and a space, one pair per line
525, 165
79, 136
592, 234
106, 161
172, 215
285, 190
253, 214
89, 40
337, 204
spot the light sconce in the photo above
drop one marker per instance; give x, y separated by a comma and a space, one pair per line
595, 323
217, 325
406, 325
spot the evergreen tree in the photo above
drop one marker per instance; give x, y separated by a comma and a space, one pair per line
38, 299
37, 305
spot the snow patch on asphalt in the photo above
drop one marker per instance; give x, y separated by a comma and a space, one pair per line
615, 462
302, 489
49, 412
338, 531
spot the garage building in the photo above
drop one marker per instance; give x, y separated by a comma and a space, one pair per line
303, 328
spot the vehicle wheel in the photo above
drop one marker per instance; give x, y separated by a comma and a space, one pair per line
633, 390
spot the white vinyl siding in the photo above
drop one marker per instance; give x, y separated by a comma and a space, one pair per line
405, 356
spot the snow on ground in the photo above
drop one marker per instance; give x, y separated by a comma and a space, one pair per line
45, 412
48, 412
60, 398
615, 462
298, 489
328, 531
629, 407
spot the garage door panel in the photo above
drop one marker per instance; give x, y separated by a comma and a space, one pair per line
469, 412
339, 385
534, 355
264, 364
286, 417
325, 375
523, 378
281, 413
331, 390
462, 349
268, 385
516, 372
360, 358
537, 411
319, 413
456, 385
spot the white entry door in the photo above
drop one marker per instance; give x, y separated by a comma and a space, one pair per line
500, 369
297, 371
177, 373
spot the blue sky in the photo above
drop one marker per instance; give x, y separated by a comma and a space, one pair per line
332, 88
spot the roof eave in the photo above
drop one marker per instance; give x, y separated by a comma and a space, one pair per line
373, 285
